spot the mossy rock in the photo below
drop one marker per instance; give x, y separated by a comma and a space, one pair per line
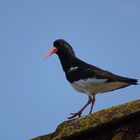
98, 124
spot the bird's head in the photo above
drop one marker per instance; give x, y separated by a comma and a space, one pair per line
61, 48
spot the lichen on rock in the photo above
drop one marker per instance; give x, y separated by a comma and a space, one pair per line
112, 119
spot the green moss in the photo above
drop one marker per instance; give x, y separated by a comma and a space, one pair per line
80, 125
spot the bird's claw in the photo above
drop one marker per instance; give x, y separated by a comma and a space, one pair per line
75, 115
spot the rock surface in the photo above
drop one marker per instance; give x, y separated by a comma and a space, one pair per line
116, 123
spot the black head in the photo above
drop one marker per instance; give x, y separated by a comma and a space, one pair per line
65, 53
63, 48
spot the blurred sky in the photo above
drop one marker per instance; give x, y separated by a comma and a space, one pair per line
34, 94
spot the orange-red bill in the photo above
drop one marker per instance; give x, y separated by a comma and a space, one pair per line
52, 51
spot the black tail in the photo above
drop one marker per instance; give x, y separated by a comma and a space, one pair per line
132, 81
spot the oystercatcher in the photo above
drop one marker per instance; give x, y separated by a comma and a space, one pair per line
84, 77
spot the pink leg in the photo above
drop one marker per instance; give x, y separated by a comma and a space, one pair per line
90, 100
92, 104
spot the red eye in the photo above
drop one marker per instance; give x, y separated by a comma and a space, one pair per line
62, 43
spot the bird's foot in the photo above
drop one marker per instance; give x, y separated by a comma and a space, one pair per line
90, 100
75, 115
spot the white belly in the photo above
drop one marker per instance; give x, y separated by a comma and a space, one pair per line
92, 86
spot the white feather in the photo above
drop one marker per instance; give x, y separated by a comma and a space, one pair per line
72, 68
92, 86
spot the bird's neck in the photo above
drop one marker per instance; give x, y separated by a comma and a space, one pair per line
67, 62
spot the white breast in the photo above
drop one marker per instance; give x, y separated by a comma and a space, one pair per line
84, 85
93, 86
90, 81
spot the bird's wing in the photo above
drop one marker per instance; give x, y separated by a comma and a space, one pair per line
94, 72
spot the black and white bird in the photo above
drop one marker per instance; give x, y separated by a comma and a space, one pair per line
84, 77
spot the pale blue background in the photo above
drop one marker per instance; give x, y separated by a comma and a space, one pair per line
34, 94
